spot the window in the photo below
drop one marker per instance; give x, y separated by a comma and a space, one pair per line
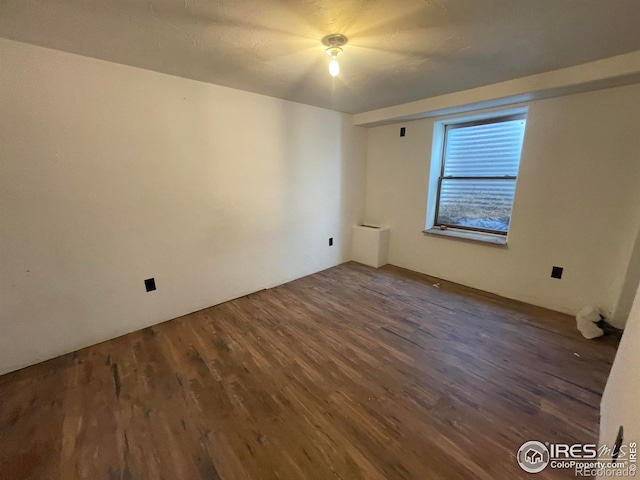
476, 181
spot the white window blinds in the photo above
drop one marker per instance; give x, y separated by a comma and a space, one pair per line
478, 179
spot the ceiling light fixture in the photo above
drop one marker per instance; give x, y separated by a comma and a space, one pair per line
334, 44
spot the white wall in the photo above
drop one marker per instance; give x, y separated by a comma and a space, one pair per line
621, 399
576, 204
111, 174
630, 283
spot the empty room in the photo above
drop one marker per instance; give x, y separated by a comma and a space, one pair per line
289, 240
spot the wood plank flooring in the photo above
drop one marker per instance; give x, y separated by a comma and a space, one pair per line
351, 373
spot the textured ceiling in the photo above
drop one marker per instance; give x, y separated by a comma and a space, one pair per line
398, 51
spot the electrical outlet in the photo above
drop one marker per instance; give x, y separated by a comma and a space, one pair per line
331, 242
403, 131
150, 284
556, 272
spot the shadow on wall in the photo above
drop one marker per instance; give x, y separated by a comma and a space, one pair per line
629, 287
353, 146
311, 190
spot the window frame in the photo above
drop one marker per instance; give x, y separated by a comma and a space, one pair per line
448, 126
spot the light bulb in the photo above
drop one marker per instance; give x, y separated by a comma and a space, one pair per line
334, 42
334, 67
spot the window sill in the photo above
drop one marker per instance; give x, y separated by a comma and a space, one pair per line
467, 235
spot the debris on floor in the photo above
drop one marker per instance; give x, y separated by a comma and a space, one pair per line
586, 321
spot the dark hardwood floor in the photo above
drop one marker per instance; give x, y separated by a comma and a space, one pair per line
351, 373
